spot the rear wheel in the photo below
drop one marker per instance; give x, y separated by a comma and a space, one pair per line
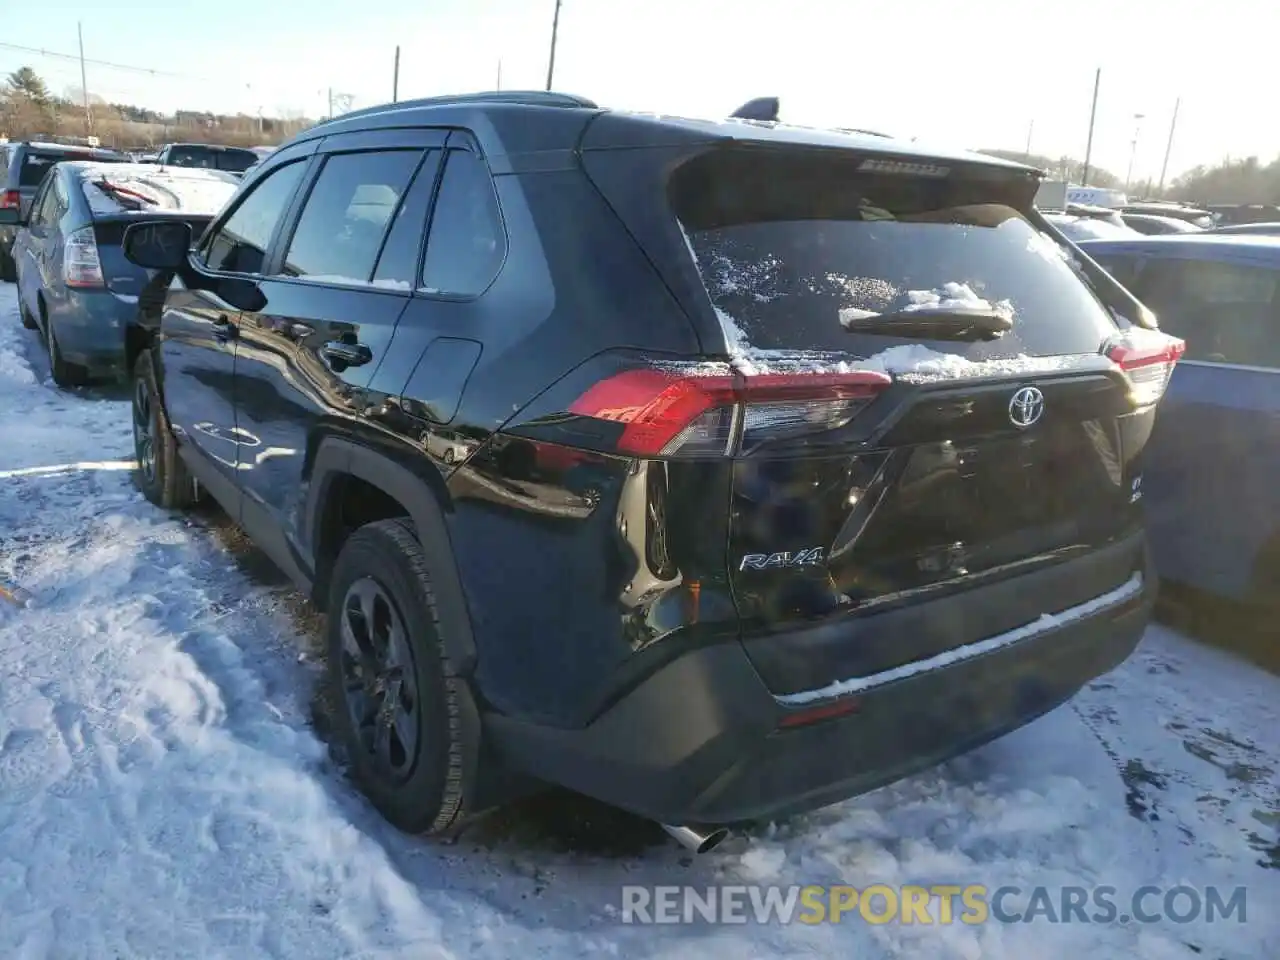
8, 269
64, 374
160, 475
401, 711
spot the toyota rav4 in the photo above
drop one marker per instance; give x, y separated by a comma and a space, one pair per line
718, 470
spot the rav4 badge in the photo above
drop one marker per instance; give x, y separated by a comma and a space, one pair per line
781, 561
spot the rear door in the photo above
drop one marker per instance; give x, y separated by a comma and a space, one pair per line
1213, 500
328, 319
985, 457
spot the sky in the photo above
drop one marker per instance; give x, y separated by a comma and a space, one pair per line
985, 73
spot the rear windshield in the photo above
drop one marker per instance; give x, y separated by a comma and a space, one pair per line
235, 161
35, 163
790, 245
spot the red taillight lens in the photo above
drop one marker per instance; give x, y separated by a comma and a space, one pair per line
10, 200
80, 264
670, 412
1147, 357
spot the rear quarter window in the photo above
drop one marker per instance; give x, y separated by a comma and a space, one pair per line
788, 246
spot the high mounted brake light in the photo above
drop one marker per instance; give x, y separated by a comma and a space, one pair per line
673, 413
1147, 357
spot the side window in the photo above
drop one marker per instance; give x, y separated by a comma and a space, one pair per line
346, 215
240, 244
467, 241
398, 263
1226, 312
61, 203
35, 216
1123, 268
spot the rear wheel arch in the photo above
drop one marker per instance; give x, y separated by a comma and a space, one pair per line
344, 472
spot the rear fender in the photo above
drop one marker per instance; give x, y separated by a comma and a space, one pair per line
336, 457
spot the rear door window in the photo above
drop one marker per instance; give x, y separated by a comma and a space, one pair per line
346, 216
1226, 312
790, 246
402, 251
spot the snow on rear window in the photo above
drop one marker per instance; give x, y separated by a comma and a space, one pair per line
794, 248
115, 191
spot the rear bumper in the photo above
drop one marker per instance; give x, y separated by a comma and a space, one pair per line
90, 326
700, 741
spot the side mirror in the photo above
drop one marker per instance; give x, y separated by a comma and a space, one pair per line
159, 245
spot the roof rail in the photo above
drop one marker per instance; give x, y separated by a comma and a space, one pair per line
529, 98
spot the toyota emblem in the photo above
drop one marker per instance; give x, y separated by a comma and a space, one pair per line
1026, 407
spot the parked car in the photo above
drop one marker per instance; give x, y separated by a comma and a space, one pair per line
1088, 228
74, 284
1260, 229
210, 156
25, 162
1210, 481
726, 540
1153, 225
1226, 214
1196, 216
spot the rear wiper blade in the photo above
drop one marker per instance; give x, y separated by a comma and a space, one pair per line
932, 324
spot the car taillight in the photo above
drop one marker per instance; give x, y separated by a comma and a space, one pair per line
670, 413
10, 200
80, 264
1147, 357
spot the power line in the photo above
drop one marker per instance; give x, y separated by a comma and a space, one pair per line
40, 51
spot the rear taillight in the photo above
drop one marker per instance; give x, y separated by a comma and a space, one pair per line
1147, 357
80, 264
10, 200
670, 412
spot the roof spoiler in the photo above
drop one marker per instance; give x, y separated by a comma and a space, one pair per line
763, 109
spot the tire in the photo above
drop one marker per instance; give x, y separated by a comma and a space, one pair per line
8, 269
412, 764
64, 374
161, 475
25, 316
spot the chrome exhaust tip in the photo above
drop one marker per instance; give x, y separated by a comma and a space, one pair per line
696, 838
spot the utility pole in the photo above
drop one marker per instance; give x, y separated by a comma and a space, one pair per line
1093, 116
395, 79
1133, 149
1030, 127
499, 86
84, 84
555, 29
1164, 167
331, 103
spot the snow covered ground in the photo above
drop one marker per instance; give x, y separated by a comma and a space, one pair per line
164, 791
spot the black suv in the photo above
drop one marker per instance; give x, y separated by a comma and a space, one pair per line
718, 470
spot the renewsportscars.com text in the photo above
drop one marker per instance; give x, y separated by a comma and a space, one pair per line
937, 904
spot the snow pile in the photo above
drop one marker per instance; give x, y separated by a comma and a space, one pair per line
120, 188
955, 296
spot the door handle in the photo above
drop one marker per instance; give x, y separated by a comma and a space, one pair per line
224, 329
347, 354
